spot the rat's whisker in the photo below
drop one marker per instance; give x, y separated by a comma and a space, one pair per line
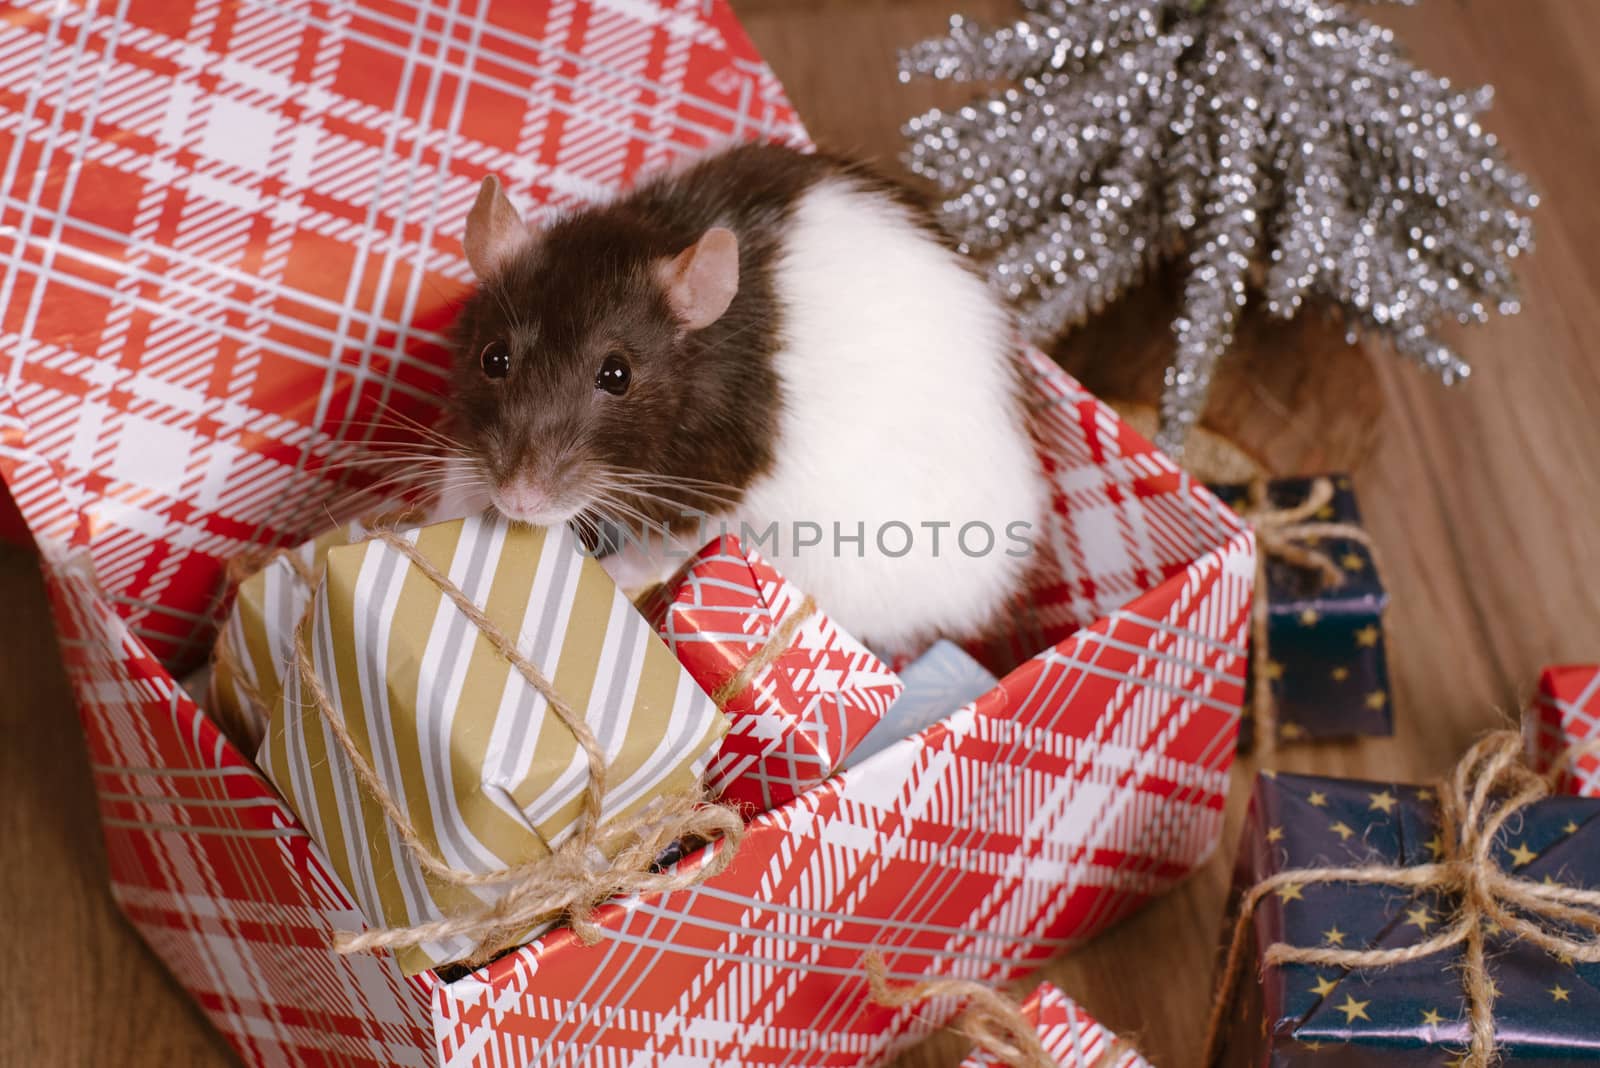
687, 503
633, 514
689, 498
431, 431
611, 501
421, 459
633, 475
432, 446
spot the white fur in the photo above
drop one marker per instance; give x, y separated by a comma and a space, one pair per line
899, 404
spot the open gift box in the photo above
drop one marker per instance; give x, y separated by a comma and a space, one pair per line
232, 249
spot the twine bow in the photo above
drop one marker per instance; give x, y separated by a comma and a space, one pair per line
599, 861
1289, 535
991, 1021
1490, 785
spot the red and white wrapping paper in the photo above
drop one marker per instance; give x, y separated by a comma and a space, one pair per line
1070, 1035
1566, 712
229, 245
802, 714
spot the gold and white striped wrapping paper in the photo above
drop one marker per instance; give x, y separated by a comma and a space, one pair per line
459, 738
259, 630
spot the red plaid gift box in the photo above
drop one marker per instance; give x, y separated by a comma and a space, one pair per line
1068, 1034
1566, 712
800, 715
228, 248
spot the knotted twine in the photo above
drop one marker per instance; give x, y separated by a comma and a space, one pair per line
1289, 535
991, 1021
597, 862
1490, 785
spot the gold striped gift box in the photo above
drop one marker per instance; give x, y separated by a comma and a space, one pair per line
253, 646
464, 744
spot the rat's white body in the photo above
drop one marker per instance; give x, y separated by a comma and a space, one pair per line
899, 406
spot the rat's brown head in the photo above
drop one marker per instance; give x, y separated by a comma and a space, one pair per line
581, 356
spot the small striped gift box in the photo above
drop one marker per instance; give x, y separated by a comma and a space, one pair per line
460, 739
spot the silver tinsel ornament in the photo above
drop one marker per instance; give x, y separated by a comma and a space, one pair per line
1280, 145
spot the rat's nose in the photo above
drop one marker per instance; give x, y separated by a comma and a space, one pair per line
524, 501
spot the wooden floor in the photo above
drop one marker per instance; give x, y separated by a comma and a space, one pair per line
1485, 501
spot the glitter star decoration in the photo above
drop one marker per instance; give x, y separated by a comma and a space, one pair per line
1281, 146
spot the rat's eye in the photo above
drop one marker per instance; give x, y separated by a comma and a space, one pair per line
614, 375
495, 359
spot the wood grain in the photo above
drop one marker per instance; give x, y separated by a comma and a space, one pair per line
1485, 501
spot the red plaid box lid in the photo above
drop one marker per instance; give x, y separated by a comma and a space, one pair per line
799, 716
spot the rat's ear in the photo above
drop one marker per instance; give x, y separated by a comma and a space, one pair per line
701, 280
494, 229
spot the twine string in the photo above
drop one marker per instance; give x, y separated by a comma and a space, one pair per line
991, 1021
775, 646
595, 789
597, 862
1488, 787
1287, 534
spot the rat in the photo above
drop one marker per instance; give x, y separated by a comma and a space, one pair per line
768, 342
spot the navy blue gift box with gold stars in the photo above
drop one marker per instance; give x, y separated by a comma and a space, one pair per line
1547, 1008
1326, 663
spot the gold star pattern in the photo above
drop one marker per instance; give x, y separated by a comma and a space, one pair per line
1383, 802
1353, 562
1431, 1018
1314, 1046
1377, 699
1560, 993
1289, 892
1309, 617
1522, 855
1333, 936
1550, 880
1325, 512
1435, 846
1354, 1010
1571, 827
1565, 958
1274, 834
1424, 794
1491, 929
1420, 918
1317, 799
1273, 671
1367, 636
1324, 986
1291, 731
1342, 483
1340, 674
1343, 830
